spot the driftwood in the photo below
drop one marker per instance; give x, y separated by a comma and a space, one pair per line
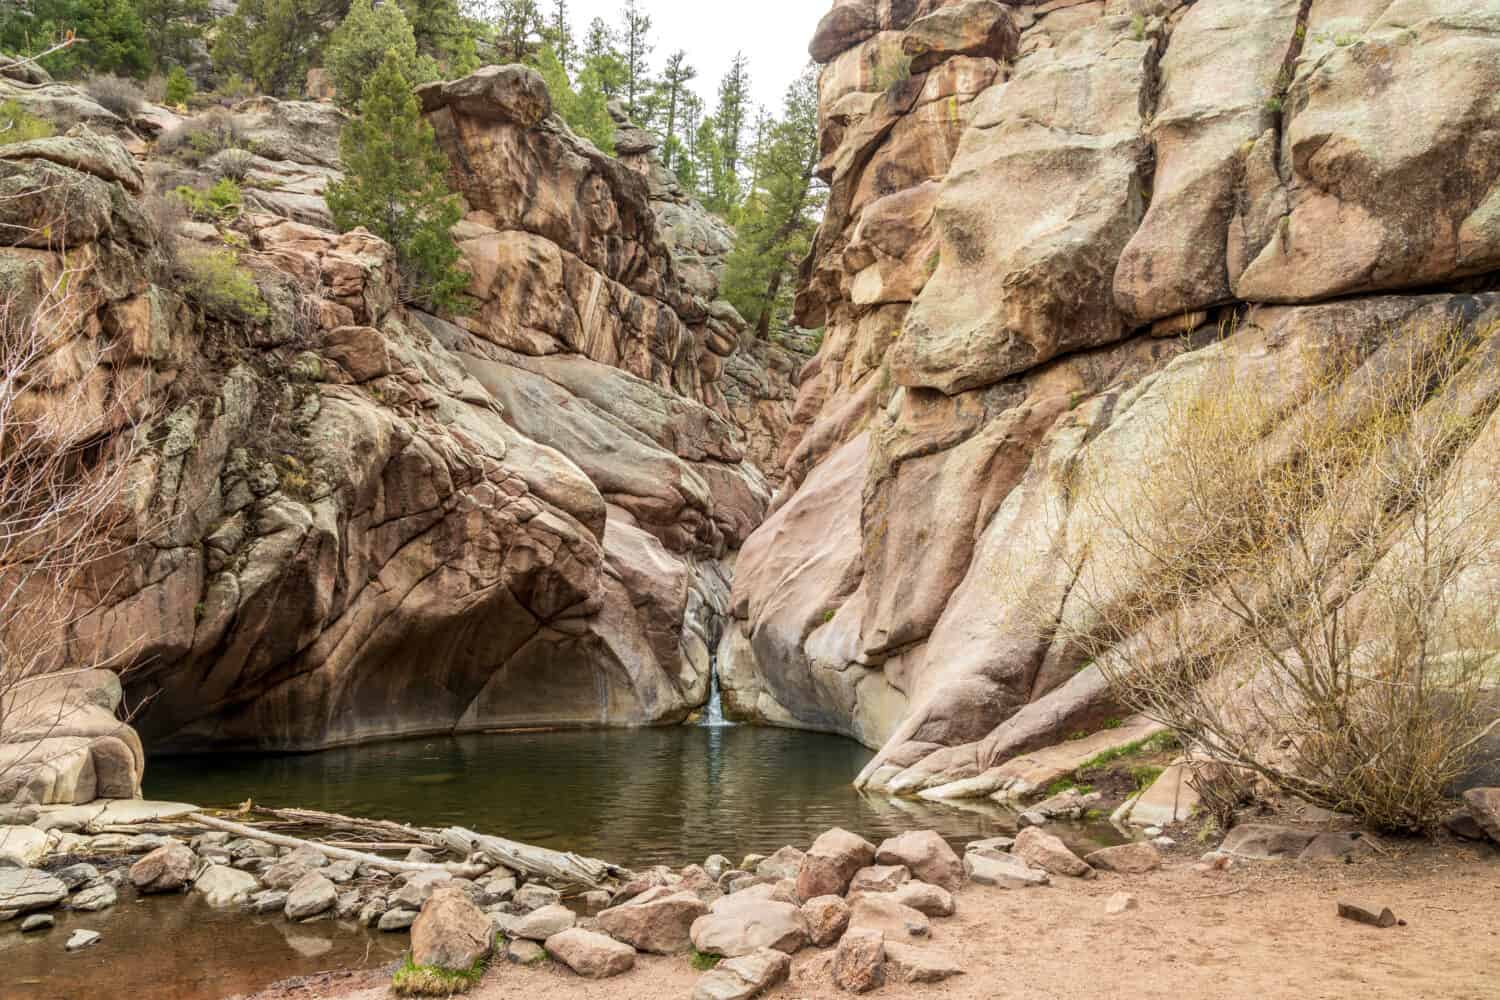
340, 853
374, 829
563, 869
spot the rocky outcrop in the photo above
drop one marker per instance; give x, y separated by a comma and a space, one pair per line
365, 521
1035, 232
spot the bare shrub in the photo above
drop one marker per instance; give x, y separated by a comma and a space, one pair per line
233, 164
116, 94
200, 138
1303, 585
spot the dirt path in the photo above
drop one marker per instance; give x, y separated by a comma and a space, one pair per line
1256, 931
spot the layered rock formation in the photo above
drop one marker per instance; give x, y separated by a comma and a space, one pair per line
361, 521
1041, 216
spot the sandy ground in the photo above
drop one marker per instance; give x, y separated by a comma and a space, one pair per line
1257, 930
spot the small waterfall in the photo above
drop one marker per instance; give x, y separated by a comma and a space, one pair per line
713, 712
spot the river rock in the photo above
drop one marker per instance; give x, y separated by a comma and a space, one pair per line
418, 887
534, 896
397, 920
25, 845
1484, 805
785, 863
38, 922
496, 890
896, 921
744, 977
224, 886
926, 855
716, 865
419, 855
832, 862
931, 900
166, 869
245, 847
1043, 850
827, 917
859, 961
1266, 842
737, 925
349, 905
311, 896
539, 925
659, 921
909, 963
81, 939
94, 898
267, 901
1003, 871
523, 952
1135, 858
340, 872
284, 874
878, 878
371, 910
590, 954
74, 876
451, 932
991, 845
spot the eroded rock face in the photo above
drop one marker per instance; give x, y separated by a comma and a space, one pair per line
368, 521
1030, 247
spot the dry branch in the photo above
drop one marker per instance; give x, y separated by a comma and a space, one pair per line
562, 868
340, 853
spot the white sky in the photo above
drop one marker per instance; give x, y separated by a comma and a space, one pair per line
772, 33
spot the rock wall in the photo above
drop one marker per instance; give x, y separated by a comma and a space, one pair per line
362, 521
1041, 215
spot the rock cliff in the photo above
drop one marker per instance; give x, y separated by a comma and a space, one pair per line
1042, 214
361, 521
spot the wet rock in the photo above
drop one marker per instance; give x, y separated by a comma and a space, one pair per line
926, 855
81, 939
224, 886
1119, 903
349, 905
371, 911
831, 863
534, 896
450, 932
590, 954
397, 920
744, 977
1266, 842
1003, 871
523, 952
38, 922
1128, 859
737, 925
245, 847
267, 901
859, 961
785, 863
74, 876
909, 963
1484, 805
166, 869
659, 921
284, 874
94, 898
1043, 850
878, 878
340, 872
539, 925
418, 887
496, 890
827, 918
896, 921
311, 896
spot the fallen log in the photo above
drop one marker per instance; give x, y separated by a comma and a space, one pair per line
340, 853
371, 828
564, 869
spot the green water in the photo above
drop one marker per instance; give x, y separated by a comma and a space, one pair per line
635, 797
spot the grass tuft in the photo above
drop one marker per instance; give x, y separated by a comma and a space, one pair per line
413, 980
702, 961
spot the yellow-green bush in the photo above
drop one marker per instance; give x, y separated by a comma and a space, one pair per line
216, 281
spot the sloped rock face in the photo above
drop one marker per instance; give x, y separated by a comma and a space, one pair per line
1019, 234
366, 521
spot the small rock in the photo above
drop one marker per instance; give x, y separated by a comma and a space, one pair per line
419, 856
397, 920
1338, 847
539, 925
25, 889
827, 918
991, 845
590, 954
1128, 859
1030, 818
859, 961
1385, 918
244, 847
744, 977
534, 896
312, 895
81, 939
1484, 806
165, 869
894, 920
38, 922
284, 874
1119, 903
1164, 843
221, 885
349, 905
927, 856
418, 887
594, 902
451, 932
785, 863
75, 876
307, 857
1464, 826
267, 901
496, 890
716, 865
523, 952
879, 878
737, 925
932, 900
658, 921
831, 863
751, 862
371, 912
214, 838
1042, 850
1004, 871
94, 898
341, 872
1152, 831
909, 963
1265, 842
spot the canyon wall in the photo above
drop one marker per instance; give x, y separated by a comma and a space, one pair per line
352, 519
1041, 218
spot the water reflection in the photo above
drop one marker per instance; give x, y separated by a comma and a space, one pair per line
638, 797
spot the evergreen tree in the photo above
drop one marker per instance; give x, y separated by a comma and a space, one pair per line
636, 47
560, 35
734, 97
442, 34
360, 44
603, 60
672, 90
273, 42
781, 213
685, 164
395, 185
170, 28
519, 30
111, 36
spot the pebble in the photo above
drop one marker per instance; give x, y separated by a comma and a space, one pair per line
38, 922
81, 939
1152, 831
397, 920
1120, 902
1164, 843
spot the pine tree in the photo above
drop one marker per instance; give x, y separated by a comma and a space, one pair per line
734, 97
672, 90
636, 47
361, 43
442, 34
395, 185
685, 163
273, 42
560, 35
111, 36
583, 106
519, 30
170, 28
781, 213
603, 60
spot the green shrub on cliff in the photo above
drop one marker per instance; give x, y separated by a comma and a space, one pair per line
395, 185
179, 86
216, 281
17, 125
